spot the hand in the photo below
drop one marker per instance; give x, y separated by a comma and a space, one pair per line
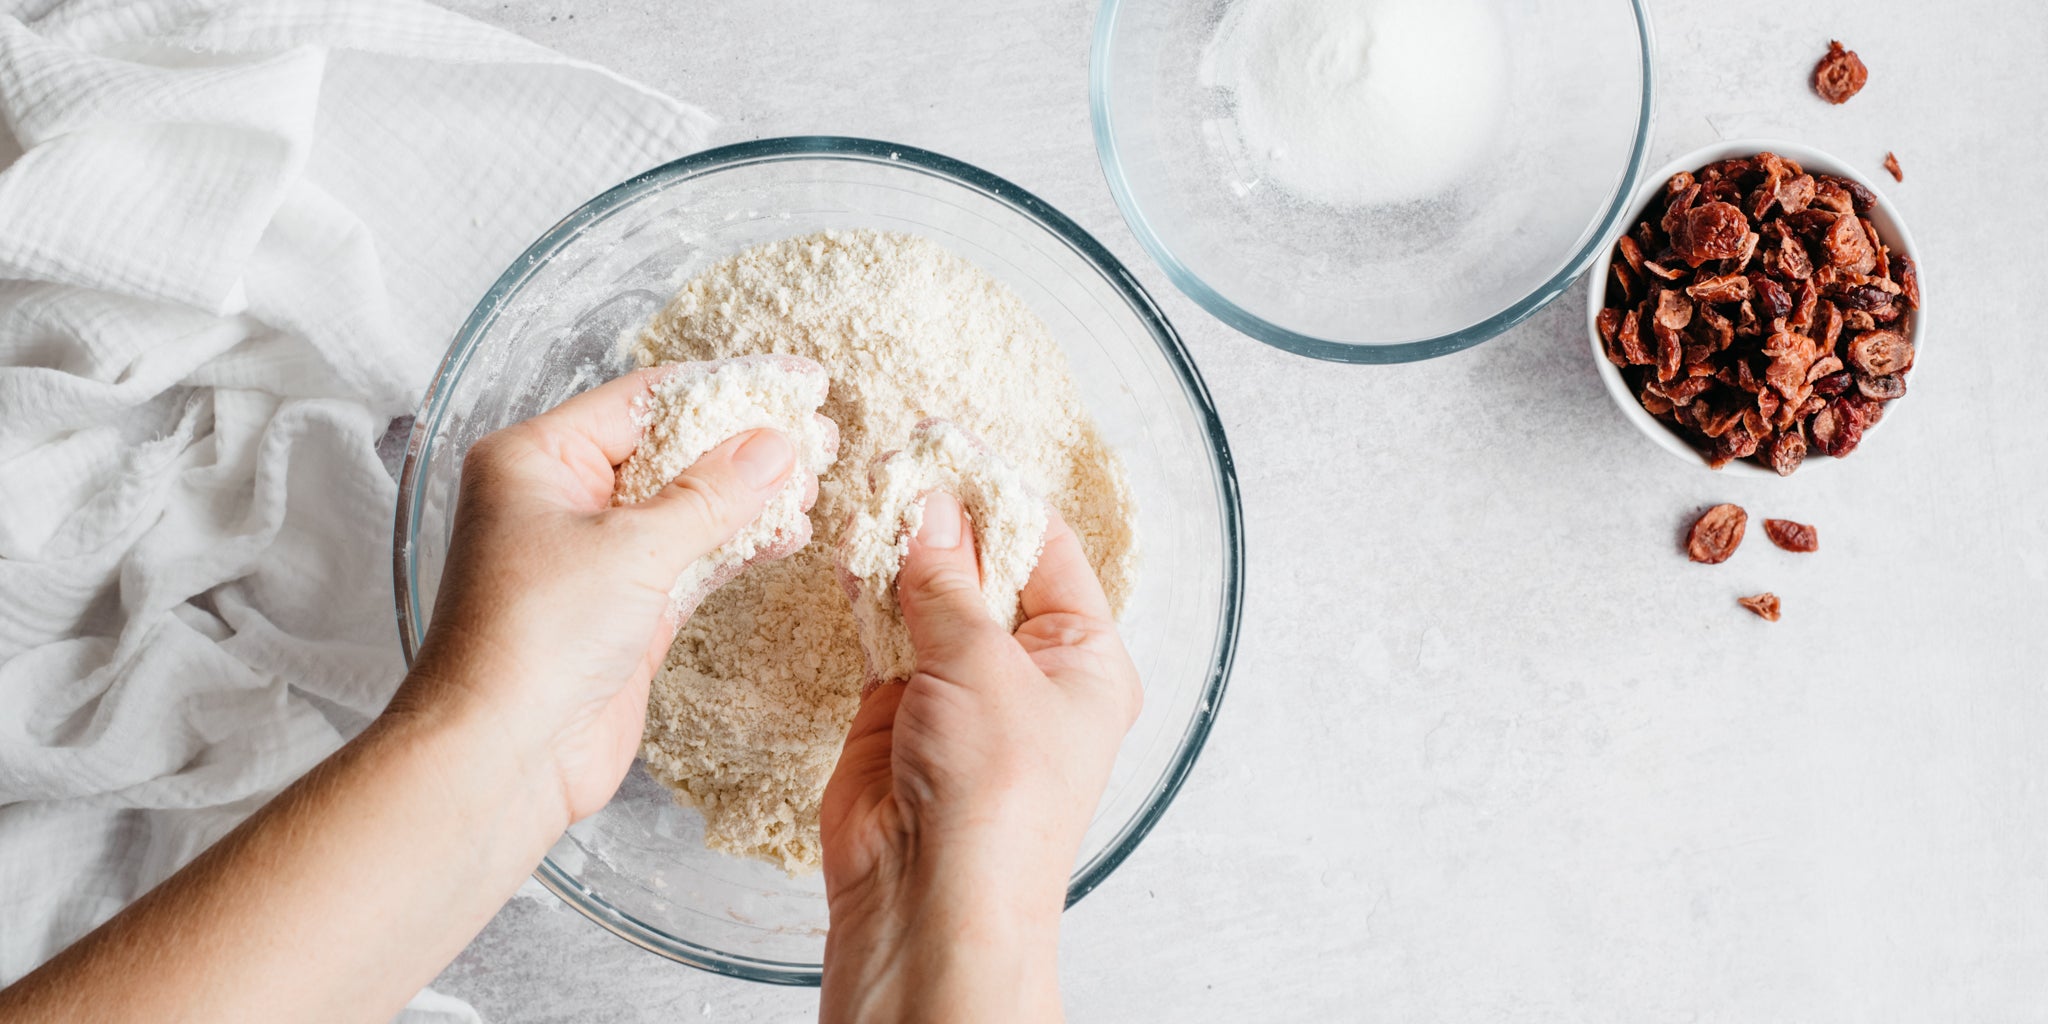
349, 891
554, 611
958, 807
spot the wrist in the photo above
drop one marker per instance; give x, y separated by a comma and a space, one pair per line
941, 939
475, 756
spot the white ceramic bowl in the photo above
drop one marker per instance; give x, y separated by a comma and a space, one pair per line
1884, 215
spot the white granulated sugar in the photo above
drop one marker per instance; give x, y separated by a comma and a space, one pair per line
747, 717
696, 408
1362, 102
1009, 522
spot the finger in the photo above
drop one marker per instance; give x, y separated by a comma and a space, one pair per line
939, 586
1063, 580
606, 414
709, 502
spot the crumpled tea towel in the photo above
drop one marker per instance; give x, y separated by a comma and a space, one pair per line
235, 239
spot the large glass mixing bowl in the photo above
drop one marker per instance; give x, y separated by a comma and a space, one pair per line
1387, 281
550, 328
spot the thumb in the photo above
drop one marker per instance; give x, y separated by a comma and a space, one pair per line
720, 493
939, 586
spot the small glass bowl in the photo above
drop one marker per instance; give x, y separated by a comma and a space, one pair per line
550, 328
1393, 282
1884, 216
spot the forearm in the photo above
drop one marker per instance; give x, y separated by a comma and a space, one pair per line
337, 901
948, 945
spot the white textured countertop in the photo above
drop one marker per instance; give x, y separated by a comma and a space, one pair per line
1493, 750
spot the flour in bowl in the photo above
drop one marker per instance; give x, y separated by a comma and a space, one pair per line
746, 718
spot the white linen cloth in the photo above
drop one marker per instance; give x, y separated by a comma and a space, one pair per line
234, 242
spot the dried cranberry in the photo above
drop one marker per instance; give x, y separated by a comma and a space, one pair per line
1794, 195
1716, 534
1632, 251
1670, 352
1792, 258
1712, 232
1879, 353
1672, 309
1740, 442
1908, 278
1786, 452
1848, 246
1766, 606
1882, 389
1631, 338
1839, 75
1837, 429
1775, 300
1675, 210
1727, 288
1717, 418
1861, 198
1795, 537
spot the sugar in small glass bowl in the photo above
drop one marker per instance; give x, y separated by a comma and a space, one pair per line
1372, 181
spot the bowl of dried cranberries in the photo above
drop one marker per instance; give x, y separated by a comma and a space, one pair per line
1760, 310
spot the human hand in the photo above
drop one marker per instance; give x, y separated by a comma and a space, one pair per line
554, 611
958, 806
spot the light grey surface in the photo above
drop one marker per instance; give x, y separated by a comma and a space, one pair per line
1494, 751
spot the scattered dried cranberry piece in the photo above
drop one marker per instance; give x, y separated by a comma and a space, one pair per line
1891, 163
1839, 75
1796, 537
1766, 605
1716, 534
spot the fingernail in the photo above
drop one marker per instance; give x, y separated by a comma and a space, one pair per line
764, 459
941, 528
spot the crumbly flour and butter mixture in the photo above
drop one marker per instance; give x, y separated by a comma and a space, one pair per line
1008, 517
694, 409
746, 719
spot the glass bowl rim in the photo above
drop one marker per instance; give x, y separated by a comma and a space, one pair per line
1262, 330
434, 406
